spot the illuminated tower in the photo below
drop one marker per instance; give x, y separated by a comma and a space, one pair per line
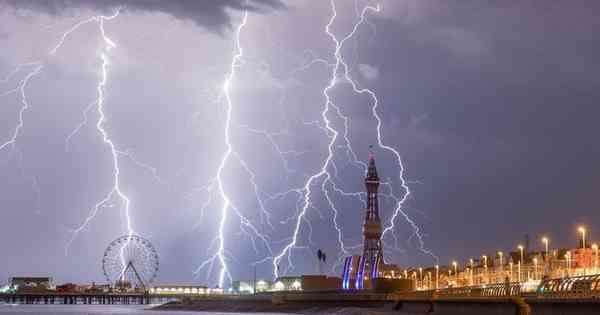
357, 269
372, 251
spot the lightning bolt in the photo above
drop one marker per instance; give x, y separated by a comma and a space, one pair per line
399, 210
341, 72
227, 205
228, 209
24, 106
324, 178
116, 190
37, 68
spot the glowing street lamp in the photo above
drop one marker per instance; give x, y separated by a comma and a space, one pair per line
521, 248
455, 265
582, 231
437, 276
484, 261
471, 263
595, 248
568, 258
429, 280
485, 268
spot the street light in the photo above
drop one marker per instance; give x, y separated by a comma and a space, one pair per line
429, 280
437, 276
595, 248
545, 240
568, 258
484, 261
455, 264
521, 248
485, 268
471, 263
582, 231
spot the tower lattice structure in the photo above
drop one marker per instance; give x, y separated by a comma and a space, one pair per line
372, 249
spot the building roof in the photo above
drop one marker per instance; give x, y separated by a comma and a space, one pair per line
31, 279
180, 286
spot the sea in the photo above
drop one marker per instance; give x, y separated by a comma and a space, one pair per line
6, 309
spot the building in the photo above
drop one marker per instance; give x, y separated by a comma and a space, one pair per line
38, 284
68, 288
319, 283
177, 289
248, 286
287, 284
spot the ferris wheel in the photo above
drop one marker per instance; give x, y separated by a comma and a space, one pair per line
130, 261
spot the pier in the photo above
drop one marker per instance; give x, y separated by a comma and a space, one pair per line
86, 298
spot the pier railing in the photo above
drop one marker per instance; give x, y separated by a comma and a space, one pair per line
584, 287
491, 290
570, 287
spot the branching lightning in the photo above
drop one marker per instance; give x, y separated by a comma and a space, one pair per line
342, 69
228, 207
116, 190
325, 177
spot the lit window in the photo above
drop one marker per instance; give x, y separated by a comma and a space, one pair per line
296, 285
279, 286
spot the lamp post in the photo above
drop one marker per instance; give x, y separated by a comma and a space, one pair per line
455, 265
429, 280
521, 248
568, 259
471, 263
582, 231
485, 268
437, 277
595, 248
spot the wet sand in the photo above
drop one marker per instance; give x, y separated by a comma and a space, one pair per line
266, 306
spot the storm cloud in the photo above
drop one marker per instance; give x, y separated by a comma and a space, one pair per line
212, 15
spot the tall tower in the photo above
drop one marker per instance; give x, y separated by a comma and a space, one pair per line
372, 250
357, 269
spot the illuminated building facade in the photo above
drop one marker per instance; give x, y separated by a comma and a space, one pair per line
176, 289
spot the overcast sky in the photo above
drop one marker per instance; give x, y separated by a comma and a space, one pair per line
493, 107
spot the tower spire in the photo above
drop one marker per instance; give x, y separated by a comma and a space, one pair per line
372, 249
371, 170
